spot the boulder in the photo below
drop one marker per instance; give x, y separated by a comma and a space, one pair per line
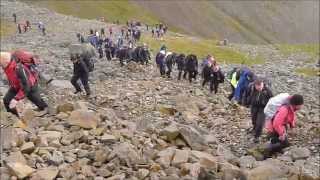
247, 162
16, 157
84, 119
108, 138
265, 172
50, 135
193, 138
171, 132
60, 84
180, 157
27, 148
165, 157
206, 160
49, 173
299, 153
127, 153
20, 170
66, 107
143, 173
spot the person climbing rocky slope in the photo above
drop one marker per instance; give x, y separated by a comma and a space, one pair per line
141, 126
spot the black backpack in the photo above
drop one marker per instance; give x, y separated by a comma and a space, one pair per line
89, 63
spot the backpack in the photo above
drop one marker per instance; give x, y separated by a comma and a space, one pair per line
274, 104
28, 60
86, 52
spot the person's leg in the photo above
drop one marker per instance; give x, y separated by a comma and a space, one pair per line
190, 76
74, 82
216, 85
232, 93
185, 74
276, 145
84, 80
35, 98
259, 123
254, 114
179, 74
211, 85
7, 99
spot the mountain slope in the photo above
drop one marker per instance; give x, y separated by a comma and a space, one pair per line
242, 21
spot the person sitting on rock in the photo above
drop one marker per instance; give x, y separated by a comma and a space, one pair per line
278, 126
257, 96
23, 80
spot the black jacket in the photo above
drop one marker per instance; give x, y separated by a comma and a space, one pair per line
254, 98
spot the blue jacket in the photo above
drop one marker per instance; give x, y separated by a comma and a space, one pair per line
242, 84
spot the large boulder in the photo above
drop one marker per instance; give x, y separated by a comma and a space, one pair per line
20, 170
193, 137
299, 153
84, 119
49, 173
206, 160
127, 154
180, 157
165, 157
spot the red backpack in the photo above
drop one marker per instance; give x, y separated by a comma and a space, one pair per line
29, 62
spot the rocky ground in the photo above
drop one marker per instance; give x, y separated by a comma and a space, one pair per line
140, 126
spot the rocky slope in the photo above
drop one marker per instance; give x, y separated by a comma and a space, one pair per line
140, 126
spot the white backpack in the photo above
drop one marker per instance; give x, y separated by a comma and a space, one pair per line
274, 103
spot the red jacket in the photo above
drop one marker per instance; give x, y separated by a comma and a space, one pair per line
13, 73
285, 116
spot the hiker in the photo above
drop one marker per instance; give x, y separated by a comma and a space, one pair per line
28, 24
144, 54
160, 61
19, 28
257, 96
246, 76
169, 61
191, 67
180, 60
207, 72
25, 28
217, 77
81, 57
277, 127
233, 78
100, 51
102, 31
23, 80
43, 30
14, 17
110, 31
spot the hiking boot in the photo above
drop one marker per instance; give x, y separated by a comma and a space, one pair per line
77, 92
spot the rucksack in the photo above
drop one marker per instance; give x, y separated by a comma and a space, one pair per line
274, 104
86, 52
28, 60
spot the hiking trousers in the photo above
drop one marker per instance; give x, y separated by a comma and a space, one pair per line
258, 120
33, 96
276, 145
214, 84
84, 78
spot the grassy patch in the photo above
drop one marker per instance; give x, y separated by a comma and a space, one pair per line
111, 10
201, 48
308, 71
311, 49
6, 28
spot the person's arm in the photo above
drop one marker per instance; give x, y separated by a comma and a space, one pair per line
23, 78
279, 120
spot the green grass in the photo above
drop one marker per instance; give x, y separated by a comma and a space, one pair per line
6, 28
111, 10
310, 49
201, 48
308, 71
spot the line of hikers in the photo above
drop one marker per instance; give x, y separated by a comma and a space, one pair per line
277, 112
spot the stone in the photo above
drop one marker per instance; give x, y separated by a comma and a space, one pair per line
65, 108
247, 162
165, 157
11, 136
211, 139
84, 119
20, 170
107, 138
61, 84
117, 177
50, 135
101, 155
104, 172
87, 171
171, 132
16, 157
57, 158
180, 157
127, 153
49, 173
193, 138
205, 159
227, 154
167, 110
265, 172
27, 148
155, 167
143, 173
299, 153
